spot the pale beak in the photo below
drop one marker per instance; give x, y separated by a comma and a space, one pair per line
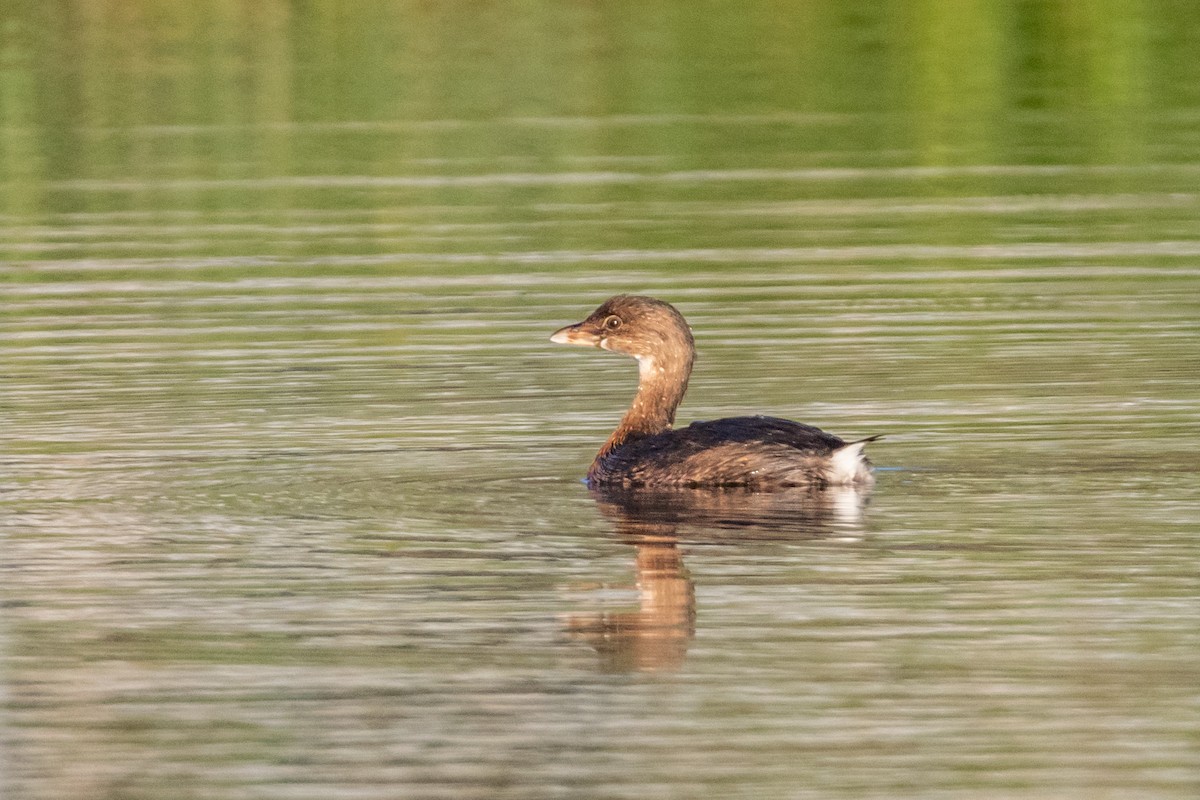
573, 334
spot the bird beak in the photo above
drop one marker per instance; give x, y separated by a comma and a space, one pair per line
574, 334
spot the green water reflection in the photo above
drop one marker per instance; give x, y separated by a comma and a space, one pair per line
157, 106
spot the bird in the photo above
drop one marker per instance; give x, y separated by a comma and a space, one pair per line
755, 452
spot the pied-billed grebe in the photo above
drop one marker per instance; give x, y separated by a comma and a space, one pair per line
755, 452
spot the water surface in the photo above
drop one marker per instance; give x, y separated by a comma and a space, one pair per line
292, 501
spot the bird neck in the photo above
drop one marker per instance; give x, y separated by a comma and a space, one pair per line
662, 382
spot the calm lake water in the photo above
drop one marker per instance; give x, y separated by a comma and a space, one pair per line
291, 486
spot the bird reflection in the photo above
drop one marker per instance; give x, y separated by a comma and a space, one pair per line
655, 636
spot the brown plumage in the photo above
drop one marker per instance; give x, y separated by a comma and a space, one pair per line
644, 450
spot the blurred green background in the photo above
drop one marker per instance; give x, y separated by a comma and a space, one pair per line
224, 106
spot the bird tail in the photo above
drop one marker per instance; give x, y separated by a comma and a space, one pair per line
848, 464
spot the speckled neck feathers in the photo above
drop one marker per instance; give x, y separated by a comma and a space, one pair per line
662, 382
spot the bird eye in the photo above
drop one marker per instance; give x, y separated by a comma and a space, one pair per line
612, 323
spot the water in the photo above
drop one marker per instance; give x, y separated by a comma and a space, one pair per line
291, 490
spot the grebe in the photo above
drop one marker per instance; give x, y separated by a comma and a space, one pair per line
753, 452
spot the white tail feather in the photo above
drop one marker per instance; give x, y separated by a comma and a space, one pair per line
848, 465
